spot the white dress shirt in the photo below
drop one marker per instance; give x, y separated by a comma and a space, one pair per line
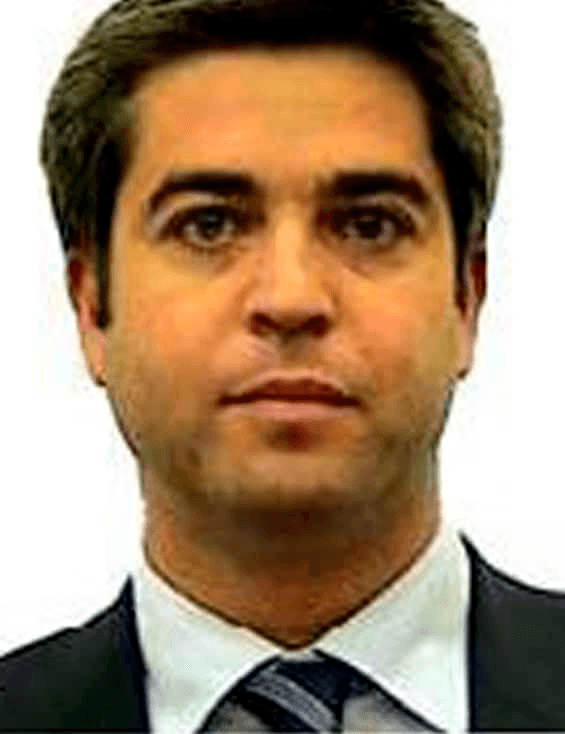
411, 640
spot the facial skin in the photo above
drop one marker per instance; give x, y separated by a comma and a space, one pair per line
366, 296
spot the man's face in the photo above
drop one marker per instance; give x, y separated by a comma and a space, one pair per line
330, 248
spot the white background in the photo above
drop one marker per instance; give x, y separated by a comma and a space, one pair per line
70, 515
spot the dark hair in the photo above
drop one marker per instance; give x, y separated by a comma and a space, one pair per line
87, 133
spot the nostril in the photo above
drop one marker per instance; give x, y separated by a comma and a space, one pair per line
261, 323
318, 325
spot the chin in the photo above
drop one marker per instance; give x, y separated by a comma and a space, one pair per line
289, 484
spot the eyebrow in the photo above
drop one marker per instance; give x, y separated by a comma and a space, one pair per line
365, 183
342, 185
222, 183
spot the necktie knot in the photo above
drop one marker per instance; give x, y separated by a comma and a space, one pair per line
298, 695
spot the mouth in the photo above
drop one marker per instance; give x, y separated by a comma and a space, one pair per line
292, 399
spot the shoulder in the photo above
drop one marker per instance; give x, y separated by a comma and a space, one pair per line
516, 634
62, 647
59, 680
495, 594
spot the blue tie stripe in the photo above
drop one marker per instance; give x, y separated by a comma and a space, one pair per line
293, 697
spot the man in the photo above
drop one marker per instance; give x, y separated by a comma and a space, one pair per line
275, 216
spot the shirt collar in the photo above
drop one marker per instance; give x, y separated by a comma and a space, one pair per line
410, 640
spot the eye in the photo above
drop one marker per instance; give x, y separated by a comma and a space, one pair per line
381, 227
206, 229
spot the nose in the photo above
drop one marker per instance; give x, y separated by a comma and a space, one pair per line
292, 297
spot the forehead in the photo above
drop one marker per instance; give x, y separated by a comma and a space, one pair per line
283, 112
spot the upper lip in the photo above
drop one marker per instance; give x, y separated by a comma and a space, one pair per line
303, 385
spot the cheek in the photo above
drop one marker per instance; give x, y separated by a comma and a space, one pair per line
409, 341
157, 361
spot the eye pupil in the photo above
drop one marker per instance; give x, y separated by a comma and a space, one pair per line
371, 225
209, 223
376, 226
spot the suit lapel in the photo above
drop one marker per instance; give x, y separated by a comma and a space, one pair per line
126, 690
116, 698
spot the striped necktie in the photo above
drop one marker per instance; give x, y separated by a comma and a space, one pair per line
305, 695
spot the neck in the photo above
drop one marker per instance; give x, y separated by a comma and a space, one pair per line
288, 575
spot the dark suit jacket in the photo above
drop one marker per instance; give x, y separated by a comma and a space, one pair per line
93, 677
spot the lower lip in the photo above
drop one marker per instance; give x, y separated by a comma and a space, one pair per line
290, 410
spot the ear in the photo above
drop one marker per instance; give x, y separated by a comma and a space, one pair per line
83, 292
470, 301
